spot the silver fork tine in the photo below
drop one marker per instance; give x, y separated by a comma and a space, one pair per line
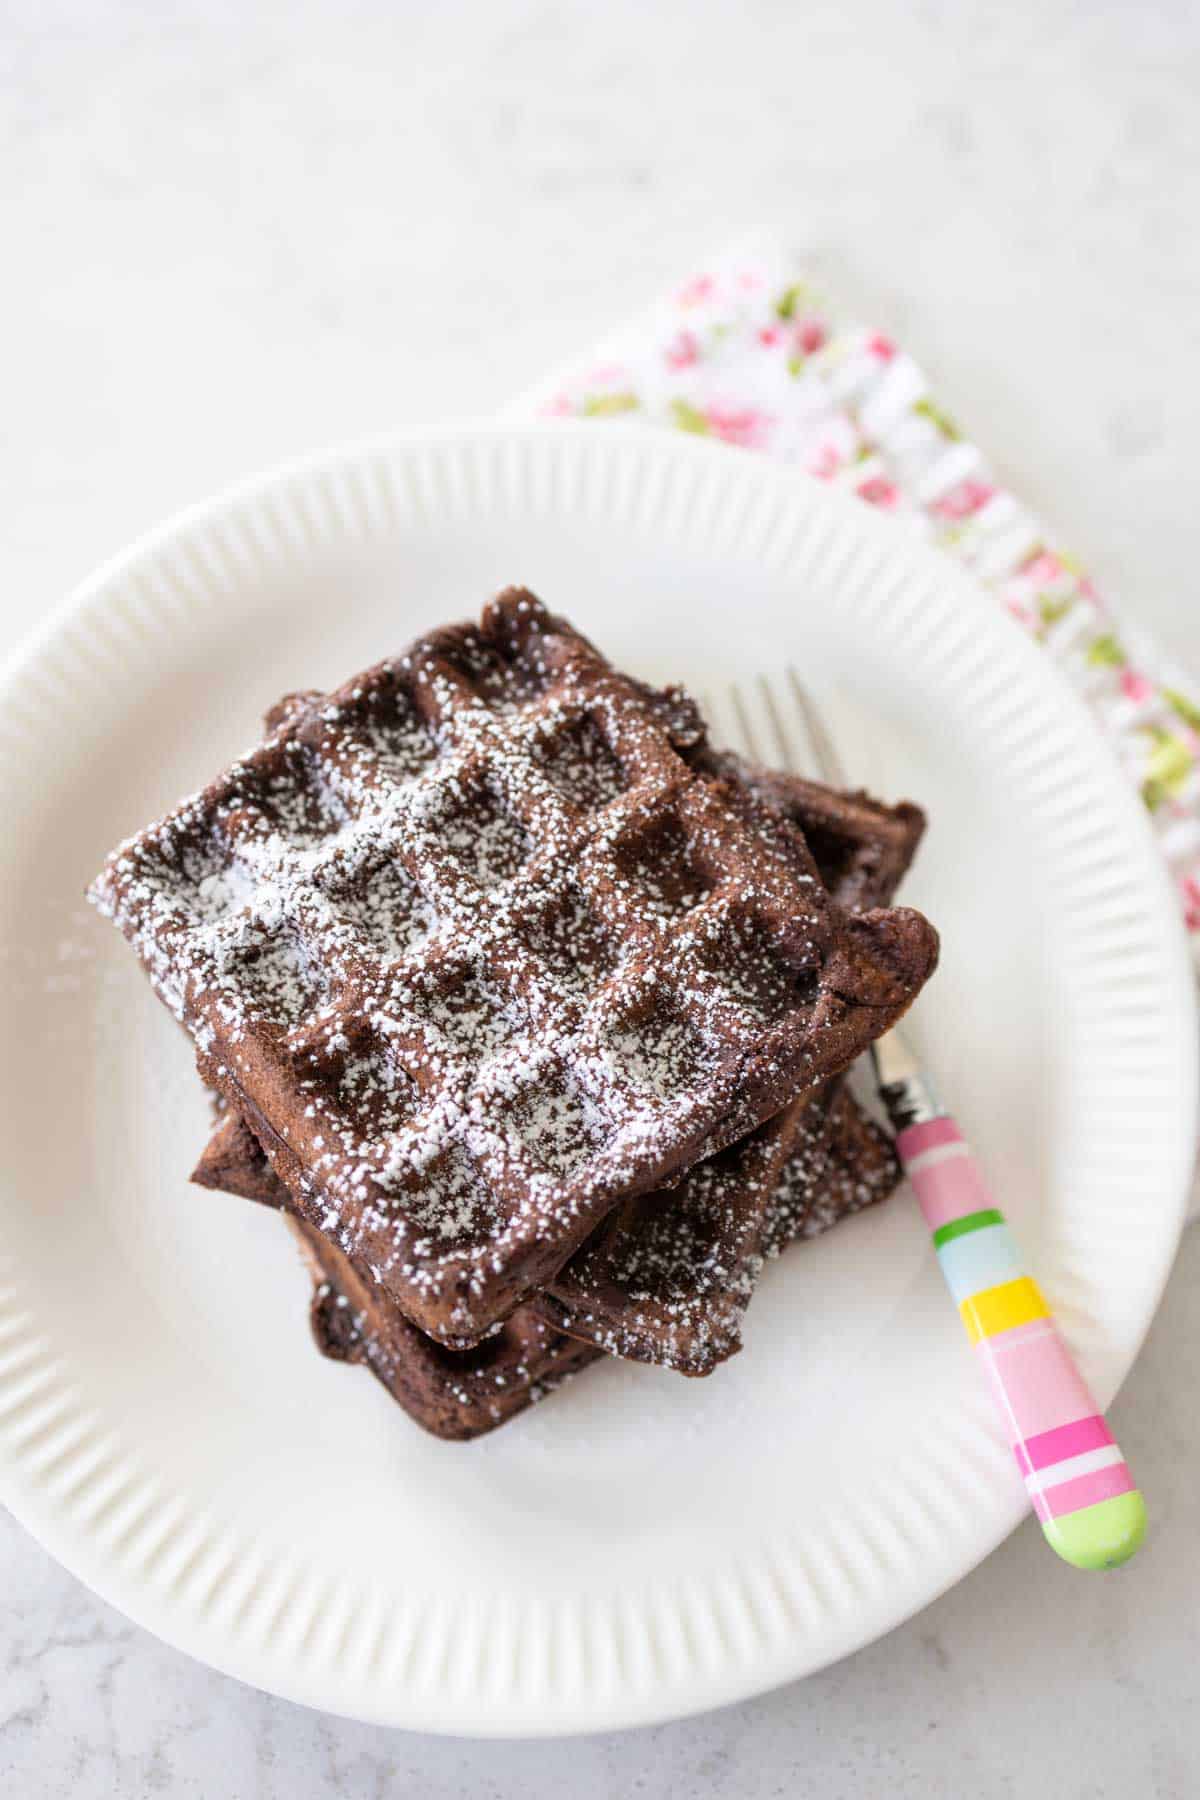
742, 715
762, 722
787, 756
824, 751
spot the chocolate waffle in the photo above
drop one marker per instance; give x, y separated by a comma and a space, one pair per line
463, 1393
478, 955
666, 1278
454, 1394
861, 847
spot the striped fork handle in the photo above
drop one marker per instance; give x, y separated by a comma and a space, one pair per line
1078, 1481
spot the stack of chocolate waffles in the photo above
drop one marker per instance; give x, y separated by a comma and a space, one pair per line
526, 1008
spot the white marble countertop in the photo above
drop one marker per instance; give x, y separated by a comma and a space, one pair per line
232, 233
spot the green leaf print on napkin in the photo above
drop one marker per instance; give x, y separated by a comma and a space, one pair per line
1180, 703
1168, 766
599, 406
689, 417
1105, 652
785, 306
937, 417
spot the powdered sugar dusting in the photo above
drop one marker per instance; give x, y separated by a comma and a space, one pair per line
453, 932
660, 1052
668, 1278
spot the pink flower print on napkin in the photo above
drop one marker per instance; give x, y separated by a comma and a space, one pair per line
825, 462
744, 425
696, 291
877, 490
966, 498
1043, 567
608, 374
684, 351
1191, 902
809, 335
1135, 687
836, 444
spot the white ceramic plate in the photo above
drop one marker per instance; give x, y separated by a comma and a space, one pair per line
639, 1546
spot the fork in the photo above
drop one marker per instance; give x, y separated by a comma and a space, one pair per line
1078, 1482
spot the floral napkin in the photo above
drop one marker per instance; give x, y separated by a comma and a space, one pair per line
747, 353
